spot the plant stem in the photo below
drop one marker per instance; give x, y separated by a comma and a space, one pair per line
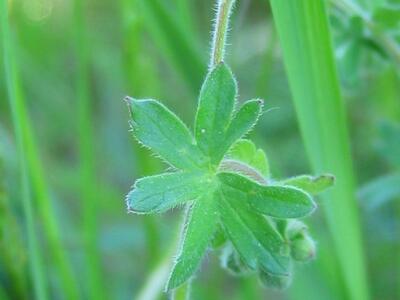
19, 122
221, 26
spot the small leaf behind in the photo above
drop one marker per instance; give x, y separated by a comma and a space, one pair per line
160, 129
311, 184
157, 194
243, 121
245, 151
275, 201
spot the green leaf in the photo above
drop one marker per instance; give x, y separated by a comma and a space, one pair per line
200, 226
157, 194
158, 128
243, 121
275, 201
311, 184
258, 243
245, 151
216, 103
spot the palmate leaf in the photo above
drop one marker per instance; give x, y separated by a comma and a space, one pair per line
224, 187
242, 122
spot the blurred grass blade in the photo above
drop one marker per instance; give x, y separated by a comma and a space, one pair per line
139, 77
379, 191
20, 124
139, 71
306, 42
173, 42
185, 14
12, 250
87, 157
35, 173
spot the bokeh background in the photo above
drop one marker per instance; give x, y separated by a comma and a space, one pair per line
76, 60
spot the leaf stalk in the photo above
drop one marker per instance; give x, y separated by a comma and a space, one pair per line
221, 27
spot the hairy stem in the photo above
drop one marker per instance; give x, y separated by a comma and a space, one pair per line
221, 27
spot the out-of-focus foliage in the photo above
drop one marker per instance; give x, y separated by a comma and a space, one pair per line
146, 48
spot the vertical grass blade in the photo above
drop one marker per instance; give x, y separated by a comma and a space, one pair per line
173, 42
87, 157
38, 187
136, 76
19, 122
304, 33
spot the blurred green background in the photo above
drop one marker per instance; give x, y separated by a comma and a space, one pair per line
74, 61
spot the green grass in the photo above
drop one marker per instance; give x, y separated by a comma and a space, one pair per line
33, 181
307, 48
87, 156
20, 124
69, 157
173, 43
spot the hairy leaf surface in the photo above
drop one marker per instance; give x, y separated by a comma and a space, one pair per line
243, 121
199, 229
274, 201
157, 194
257, 242
158, 128
216, 103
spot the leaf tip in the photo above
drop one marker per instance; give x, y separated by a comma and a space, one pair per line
277, 282
260, 102
128, 99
